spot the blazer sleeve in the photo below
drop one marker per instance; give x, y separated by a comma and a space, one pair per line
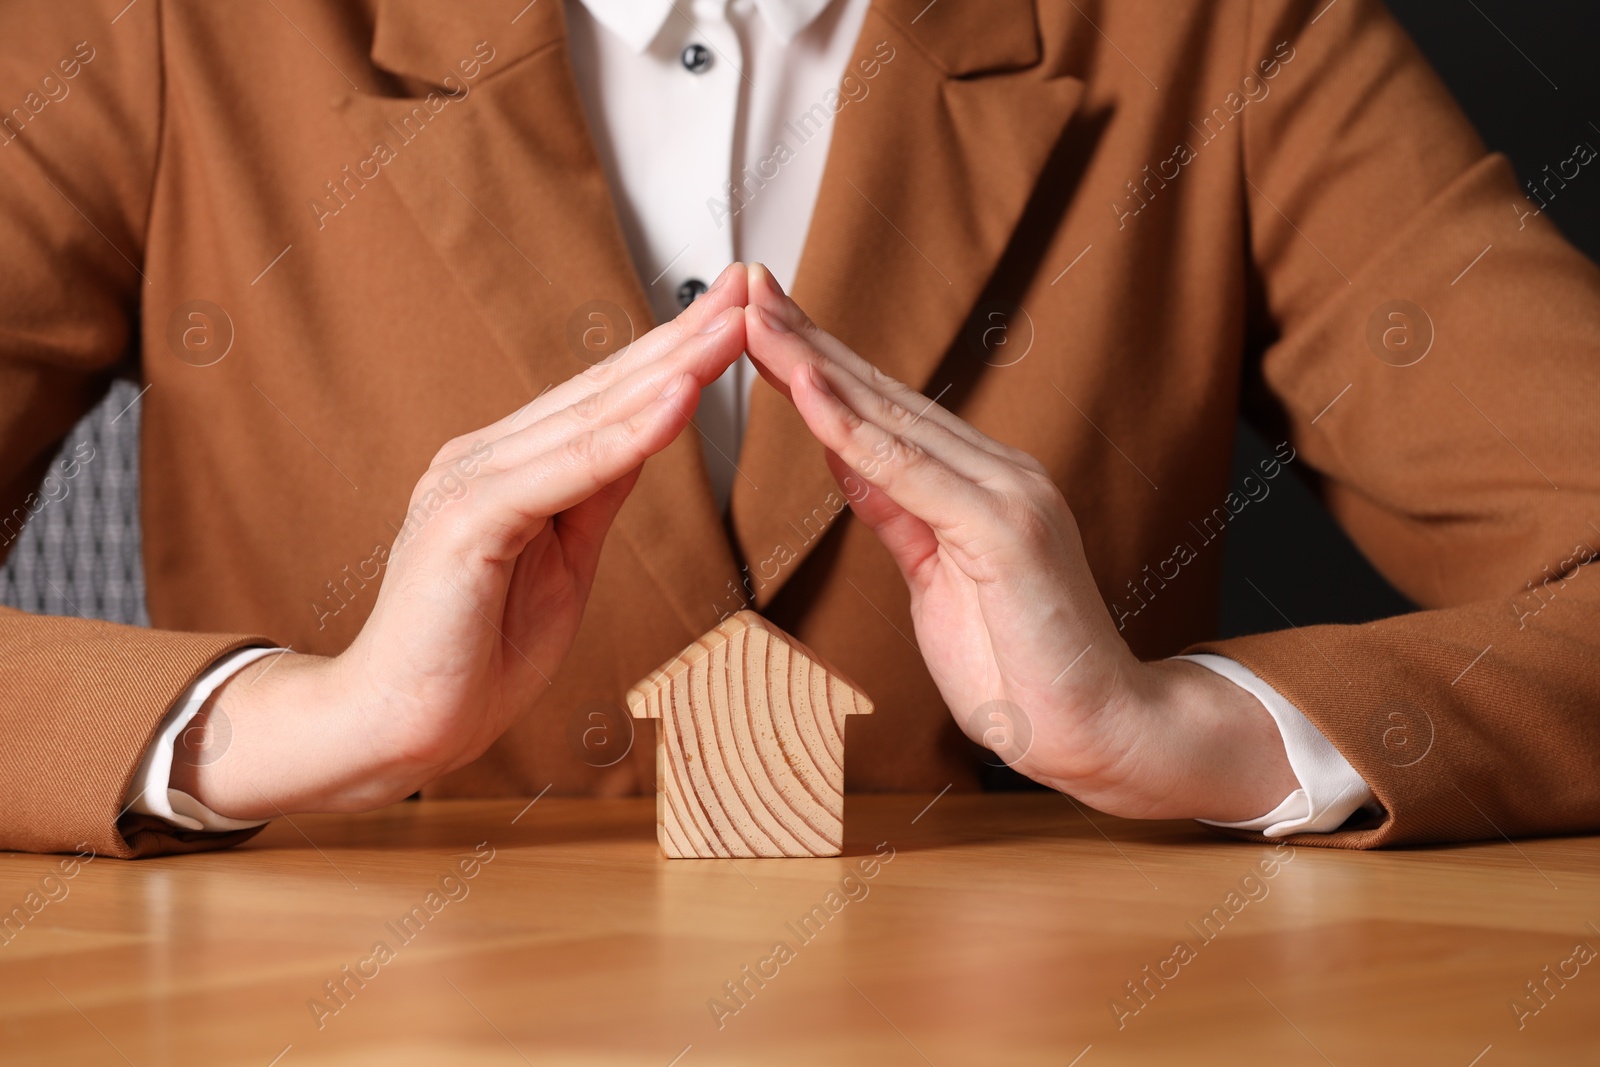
1431, 345
80, 121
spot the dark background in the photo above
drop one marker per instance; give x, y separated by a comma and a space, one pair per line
1534, 105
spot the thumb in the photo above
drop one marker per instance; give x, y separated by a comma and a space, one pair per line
582, 528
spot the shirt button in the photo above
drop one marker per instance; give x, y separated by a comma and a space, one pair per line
696, 59
689, 290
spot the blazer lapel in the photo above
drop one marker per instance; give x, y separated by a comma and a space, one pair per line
925, 180
506, 186
504, 181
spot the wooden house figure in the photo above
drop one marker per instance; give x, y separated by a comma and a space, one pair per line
750, 744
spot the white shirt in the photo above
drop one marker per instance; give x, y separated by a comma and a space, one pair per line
688, 100
688, 152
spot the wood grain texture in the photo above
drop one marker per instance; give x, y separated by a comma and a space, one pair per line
1001, 932
749, 745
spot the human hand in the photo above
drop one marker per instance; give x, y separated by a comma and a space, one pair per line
481, 598
1006, 611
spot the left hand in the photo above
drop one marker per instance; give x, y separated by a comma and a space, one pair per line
1005, 607
482, 592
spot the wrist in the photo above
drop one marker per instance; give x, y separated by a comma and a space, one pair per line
1212, 750
1172, 740
278, 738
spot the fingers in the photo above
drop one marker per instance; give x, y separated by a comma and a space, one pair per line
702, 356
910, 541
788, 336
780, 337
955, 451
582, 528
613, 418
912, 477
510, 507
728, 291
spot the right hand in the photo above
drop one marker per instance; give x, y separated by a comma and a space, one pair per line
1003, 601
480, 602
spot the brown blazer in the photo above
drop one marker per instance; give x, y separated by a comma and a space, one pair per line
1215, 211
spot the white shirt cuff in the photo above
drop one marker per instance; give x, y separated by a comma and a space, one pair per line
149, 793
1330, 789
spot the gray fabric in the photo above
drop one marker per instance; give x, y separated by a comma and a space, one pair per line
78, 554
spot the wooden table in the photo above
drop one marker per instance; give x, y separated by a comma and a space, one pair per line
999, 929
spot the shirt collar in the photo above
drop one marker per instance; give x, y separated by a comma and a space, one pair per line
638, 22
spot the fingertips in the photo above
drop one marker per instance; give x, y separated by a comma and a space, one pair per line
730, 289
720, 321
772, 320
771, 316
704, 354
823, 411
775, 347
819, 381
802, 379
679, 398
719, 342
762, 286
766, 294
808, 377
655, 424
